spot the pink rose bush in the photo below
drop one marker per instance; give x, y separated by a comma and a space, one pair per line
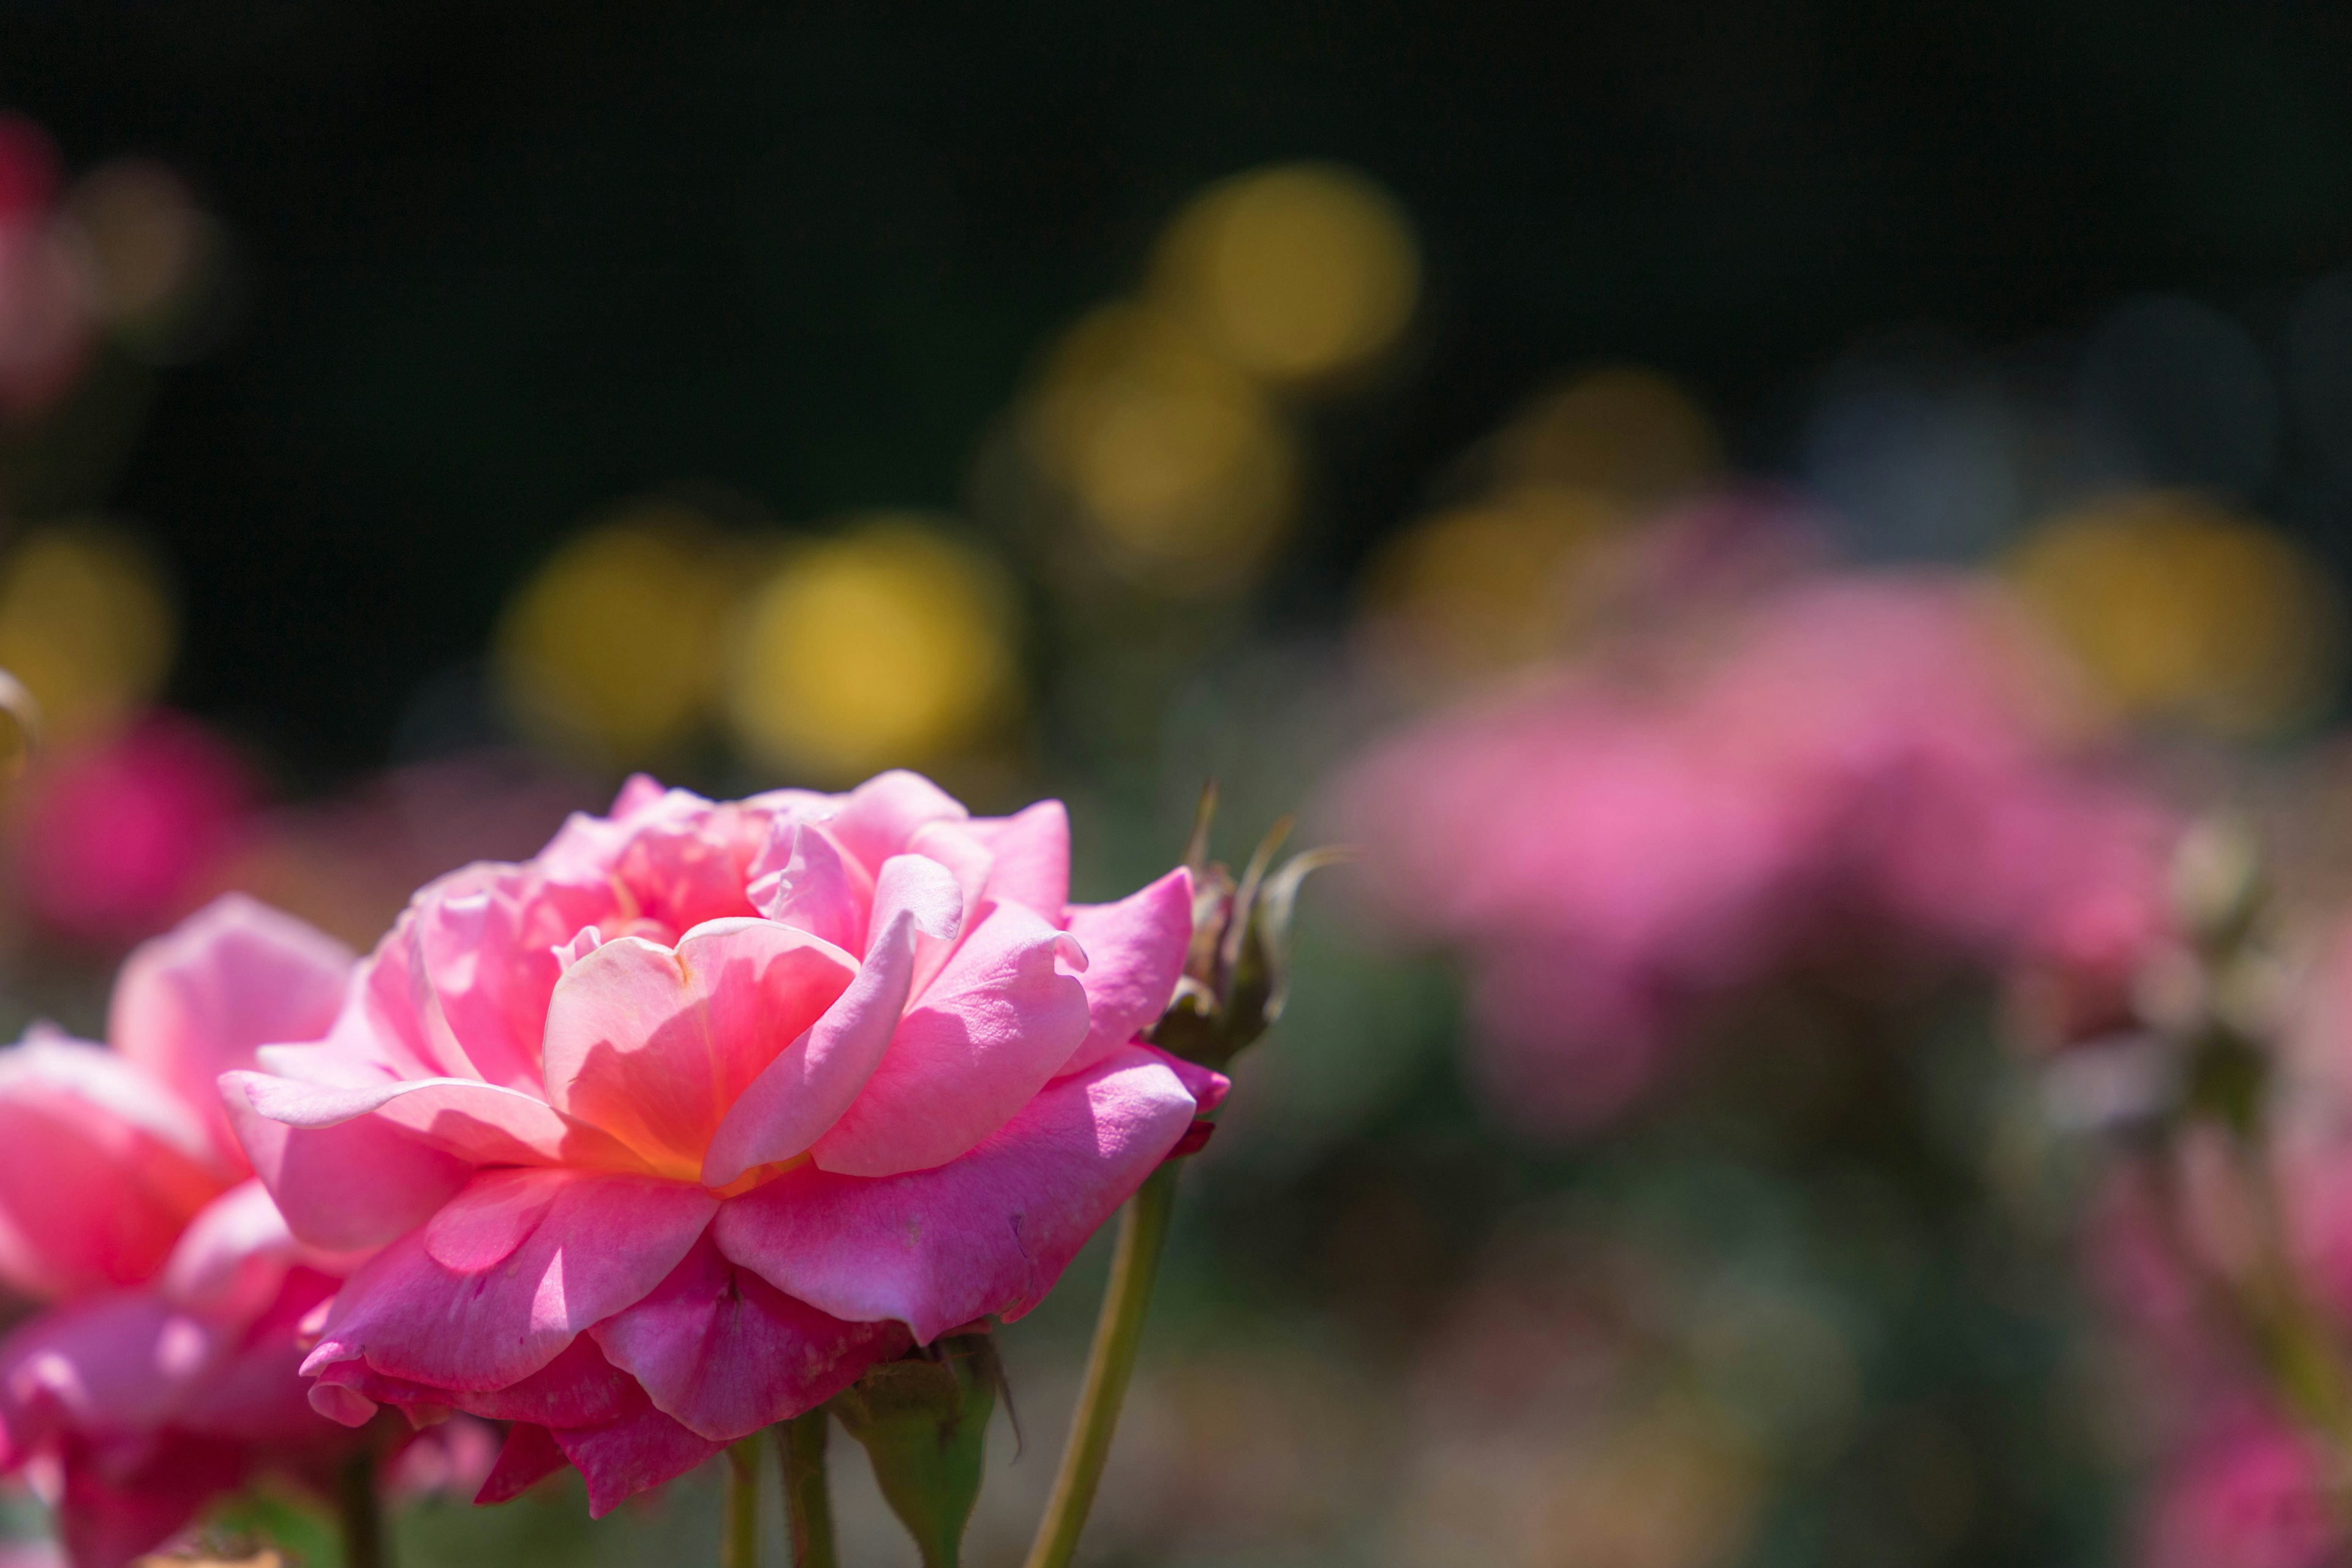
1859, 753
670, 1133
163, 1368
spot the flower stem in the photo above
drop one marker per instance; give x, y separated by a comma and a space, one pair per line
360, 1514
738, 1544
806, 1501
1119, 1334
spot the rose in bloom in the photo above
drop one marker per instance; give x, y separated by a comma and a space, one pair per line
163, 1367
1846, 751
675, 1129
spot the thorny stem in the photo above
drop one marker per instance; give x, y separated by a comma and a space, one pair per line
739, 1542
359, 1514
808, 1504
1118, 1332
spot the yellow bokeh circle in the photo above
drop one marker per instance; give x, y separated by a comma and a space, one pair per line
1295, 273
1623, 430
2184, 610
892, 644
1488, 586
614, 645
86, 625
1174, 459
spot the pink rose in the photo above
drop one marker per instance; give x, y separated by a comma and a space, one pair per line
1616, 846
163, 1368
676, 1128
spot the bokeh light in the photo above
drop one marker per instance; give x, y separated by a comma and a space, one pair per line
86, 623
1624, 431
2183, 609
1486, 587
1184, 471
613, 648
148, 241
1298, 274
890, 643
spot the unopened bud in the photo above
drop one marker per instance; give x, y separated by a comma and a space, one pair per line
1237, 972
923, 1421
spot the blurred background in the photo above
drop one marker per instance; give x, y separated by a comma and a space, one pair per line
416, 417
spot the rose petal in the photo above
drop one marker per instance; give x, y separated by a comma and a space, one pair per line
601, 1242
801, 879
531, 1455
655, 1045
878, 819
629, 1457
804, 1091
1135, 954
989, 1233
479, 1122
725, 1353
357, 1184
104, 1166
235, 975
1032, 851
991, 1030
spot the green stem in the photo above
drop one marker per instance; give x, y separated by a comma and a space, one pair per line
806, 1501
1119, 1334
360, 1514
738, 1544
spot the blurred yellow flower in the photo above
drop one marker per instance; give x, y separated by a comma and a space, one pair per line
615, 646
86, 623
2183, 609
1295, 273
1179, 465
1488, 586
889, 644
1623, 430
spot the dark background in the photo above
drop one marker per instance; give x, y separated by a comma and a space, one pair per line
502, 263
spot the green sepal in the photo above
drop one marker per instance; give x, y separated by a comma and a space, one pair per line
923, 1422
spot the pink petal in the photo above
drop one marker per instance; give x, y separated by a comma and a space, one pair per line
725, 1353
119, 1364
235, 975
482, 948
637, 792
879, 818
108, 1518
477, 1122
256, 1393
989, 1233
629, 1457
600, 1242
655, 1045
579, 1388
994, 1027
800, 879
531, 1455
1207, 1087
232, 1254
804, 1091
357, 1184
104, 1166
1135, 954
1032, 850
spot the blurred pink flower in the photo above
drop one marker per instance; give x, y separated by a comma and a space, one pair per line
117, 838
676, 1128
163, 1367
1887, 753
2252, 1495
